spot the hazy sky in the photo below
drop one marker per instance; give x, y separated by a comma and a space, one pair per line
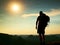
24, 21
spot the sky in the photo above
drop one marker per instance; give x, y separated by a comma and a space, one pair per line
19, 16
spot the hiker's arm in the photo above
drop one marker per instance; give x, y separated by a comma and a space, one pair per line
37, 23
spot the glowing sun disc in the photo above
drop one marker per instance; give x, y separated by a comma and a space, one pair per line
15, 7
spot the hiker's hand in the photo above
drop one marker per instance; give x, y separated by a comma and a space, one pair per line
36, 27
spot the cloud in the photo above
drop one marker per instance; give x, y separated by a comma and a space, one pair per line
52, 12
28, 15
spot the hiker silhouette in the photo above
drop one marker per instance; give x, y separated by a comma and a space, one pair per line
41, 23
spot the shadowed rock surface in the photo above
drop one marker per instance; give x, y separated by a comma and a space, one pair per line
6, 39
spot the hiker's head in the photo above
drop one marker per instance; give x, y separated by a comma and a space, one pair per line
41, 13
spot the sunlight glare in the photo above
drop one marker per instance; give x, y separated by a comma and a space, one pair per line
14, 8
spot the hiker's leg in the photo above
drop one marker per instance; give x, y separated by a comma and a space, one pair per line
43, 39
40, 38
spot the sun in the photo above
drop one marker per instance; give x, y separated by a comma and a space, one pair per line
15, 8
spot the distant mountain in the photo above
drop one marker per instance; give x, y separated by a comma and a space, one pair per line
6, 39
